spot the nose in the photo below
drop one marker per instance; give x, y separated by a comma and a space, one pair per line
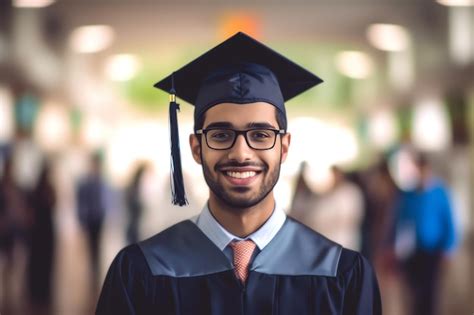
240, 151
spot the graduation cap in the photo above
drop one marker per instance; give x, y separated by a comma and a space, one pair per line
240, 70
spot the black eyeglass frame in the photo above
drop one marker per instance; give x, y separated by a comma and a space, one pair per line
241, 132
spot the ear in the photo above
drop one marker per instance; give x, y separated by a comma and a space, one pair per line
285, 145
195, 148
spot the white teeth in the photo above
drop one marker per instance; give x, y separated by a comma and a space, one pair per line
241, 174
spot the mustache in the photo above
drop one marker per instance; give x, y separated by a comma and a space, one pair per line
218, 166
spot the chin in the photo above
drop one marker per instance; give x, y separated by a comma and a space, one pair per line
242, 201
237, 203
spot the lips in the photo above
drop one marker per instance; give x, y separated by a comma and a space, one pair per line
240, 178
241, 175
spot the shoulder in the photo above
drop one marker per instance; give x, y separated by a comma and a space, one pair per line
183, 250
180, 229
304, 234
338, 260
356, 276
134, 256
439, 186
172, 238
353, 262
131, 254
130, 263
299, 250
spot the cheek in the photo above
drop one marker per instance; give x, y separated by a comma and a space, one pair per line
275, 155
210, 157
271, 157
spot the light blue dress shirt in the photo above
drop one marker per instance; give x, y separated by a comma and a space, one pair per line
222, 238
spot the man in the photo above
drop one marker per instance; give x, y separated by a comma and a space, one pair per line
241, 255
426, 236
92, 204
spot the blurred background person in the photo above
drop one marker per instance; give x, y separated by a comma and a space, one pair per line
425, 237
42, 242
13, 226
336, 212
92, 203
360, 178
303, 196
135, 203
383, 193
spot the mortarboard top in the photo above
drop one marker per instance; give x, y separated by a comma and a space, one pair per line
239, 70
292, 78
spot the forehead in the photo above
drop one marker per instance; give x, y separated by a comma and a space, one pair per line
242, 114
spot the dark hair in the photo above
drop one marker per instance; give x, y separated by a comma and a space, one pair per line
421, 159
280, 118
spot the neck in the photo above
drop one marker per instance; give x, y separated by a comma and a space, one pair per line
425, 180
242, 221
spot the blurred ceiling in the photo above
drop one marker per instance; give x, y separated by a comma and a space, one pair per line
146, 24
146, 27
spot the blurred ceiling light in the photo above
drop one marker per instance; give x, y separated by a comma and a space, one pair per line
32, 3
52, 128
122, 67
388, 37
6, 115
401, 69
456, 3
354, 64
461, 40
91, 38
93, 132
27, 160
383, 129
431, 131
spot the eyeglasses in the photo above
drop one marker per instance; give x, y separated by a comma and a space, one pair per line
224, 138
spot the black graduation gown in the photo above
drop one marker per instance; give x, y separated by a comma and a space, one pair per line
180, 271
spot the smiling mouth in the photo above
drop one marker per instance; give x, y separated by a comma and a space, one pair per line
241, 175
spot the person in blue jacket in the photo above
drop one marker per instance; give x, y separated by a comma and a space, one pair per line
426, 235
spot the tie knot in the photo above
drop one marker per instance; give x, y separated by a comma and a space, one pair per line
243, 251
243, 247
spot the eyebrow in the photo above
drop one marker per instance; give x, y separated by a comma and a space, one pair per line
261, 125
225, 124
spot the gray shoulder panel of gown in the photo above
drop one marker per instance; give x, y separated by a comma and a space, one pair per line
183, 251
298, 250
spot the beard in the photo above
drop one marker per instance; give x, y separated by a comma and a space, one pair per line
270, 178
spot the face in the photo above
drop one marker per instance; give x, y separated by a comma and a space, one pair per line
241, 177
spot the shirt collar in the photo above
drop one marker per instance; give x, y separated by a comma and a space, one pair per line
221, 237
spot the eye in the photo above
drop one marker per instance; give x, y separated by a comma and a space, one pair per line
219, 135
260, 135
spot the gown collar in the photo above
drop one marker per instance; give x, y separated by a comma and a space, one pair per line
221, 237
